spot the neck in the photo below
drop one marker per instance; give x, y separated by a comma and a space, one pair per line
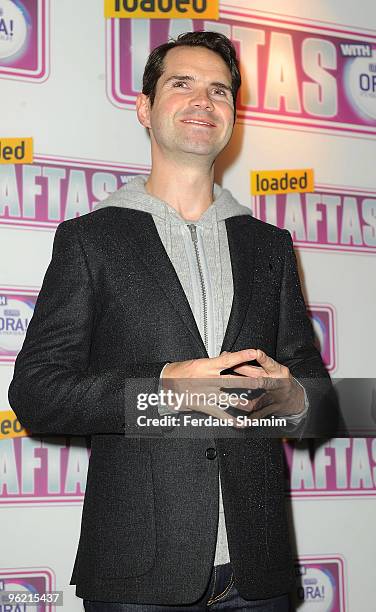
188, 189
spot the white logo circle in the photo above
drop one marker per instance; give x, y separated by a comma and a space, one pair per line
316, 591
13, 29
14, 319
360, 80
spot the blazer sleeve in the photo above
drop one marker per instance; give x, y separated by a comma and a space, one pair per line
53, 390
296, 349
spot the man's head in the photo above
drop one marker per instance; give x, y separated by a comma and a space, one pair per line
189, 95
214, 41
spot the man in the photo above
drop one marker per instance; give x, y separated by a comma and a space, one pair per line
167, 282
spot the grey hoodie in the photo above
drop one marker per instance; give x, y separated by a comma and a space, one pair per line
204, 270
212, 249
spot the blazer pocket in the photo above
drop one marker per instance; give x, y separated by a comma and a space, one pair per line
118, 537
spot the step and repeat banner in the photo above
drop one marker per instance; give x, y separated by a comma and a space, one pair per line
302, 158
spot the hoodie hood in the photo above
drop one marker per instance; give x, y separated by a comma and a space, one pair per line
134, 195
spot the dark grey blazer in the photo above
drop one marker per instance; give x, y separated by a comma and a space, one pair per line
111, 312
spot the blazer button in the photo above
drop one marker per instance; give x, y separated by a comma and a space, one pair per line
211, 453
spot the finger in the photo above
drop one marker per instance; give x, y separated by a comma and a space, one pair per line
251, 371
229, 360
234, 376
269, 365
262, 402
241, 379
216, 412
240, 382
246, 404
270, 383
214, 402
222, 390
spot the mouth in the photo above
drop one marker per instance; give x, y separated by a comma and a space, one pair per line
198, 122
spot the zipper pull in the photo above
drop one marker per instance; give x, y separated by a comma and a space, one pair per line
192, 229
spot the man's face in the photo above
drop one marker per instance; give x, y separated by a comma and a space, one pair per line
193, 110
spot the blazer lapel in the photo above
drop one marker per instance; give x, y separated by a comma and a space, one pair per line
146, 241
240, 233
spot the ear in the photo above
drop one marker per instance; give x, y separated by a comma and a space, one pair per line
143, 109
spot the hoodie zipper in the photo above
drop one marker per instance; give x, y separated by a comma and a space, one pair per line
193, 231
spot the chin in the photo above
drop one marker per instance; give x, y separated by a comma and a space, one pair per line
200, 148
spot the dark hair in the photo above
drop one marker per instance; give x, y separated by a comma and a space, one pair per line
219, 43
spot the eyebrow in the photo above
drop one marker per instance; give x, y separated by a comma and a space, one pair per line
187, 77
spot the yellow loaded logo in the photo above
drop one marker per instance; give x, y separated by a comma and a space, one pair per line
16, 150
159, 9
10, 427
266, 182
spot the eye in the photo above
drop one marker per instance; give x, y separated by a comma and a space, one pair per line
179, 83
221, 92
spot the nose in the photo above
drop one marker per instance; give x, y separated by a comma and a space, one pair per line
201, 99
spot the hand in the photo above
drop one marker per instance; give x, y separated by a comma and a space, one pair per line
209, 367
184, 377
282, 395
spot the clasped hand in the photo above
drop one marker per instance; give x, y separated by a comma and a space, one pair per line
278, 393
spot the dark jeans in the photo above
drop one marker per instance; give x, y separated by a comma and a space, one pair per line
221, 594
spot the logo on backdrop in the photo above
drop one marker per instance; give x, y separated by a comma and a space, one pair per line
10, 427
159, 9
264, 182
24, 39
360, 79
332, 218
54, 189
43, 470
341, 467
319, 584
323, 317
294, 72
16, 150
31, 581
54, 469
16, 310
